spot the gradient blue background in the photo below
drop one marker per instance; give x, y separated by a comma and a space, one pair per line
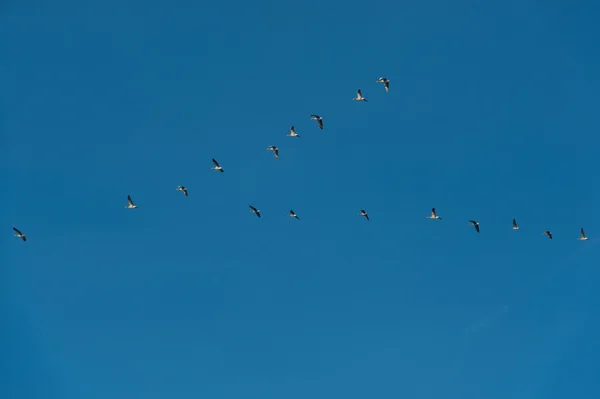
492, 114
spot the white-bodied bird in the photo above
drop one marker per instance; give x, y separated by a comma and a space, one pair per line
217, 166
359, 96
274, 149
131, 205
19, 234
292, 132
433, 215
255, 211
319, 120
364, 213
386, 83
515, 225
181, 188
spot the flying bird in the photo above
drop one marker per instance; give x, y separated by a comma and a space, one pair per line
386, 83
19, 234
292, 132
181, 188
433, 215
359, 96
131, 204
515, 225
548, 233
364, 213
293, 214
217, 166
274, 149
475, 224
582, 236
254, 210
319, 120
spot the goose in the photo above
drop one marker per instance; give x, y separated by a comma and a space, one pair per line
19, 234
319, 120
292, 132
582, 236
293, 214
515, 225
274, 149
217, 166
475, 224
364, 213
547, 233
131, 204
181, 188
433, 215
254, 210
359, 96
386, 83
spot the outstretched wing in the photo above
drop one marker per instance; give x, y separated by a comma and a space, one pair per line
433, 212
582, 233
514, 222
215, 162
129, 200
17, 231
253, 208
359, 93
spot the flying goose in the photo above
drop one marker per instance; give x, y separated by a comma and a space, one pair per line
475, 224
319, 120
293, 214
433, 215
274, 149
386, 83
364, 213
131, 204
292, 132
547, 233
582, 236
217, 166
19, 234
254, 210
515, 225
359, 96
181, 188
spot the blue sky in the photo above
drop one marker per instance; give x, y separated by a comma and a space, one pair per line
491, 114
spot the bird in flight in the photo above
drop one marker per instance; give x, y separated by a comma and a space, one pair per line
293, 214
131, 204
254, 210
364, 213
515, 225
292, 132
274, 149
582, 236
359, 96
217, 166
433, 215
386, 83
475, 224
181, 188
319, 120
548, 233
19, 234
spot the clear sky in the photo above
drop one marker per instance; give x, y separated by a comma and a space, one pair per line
492, 114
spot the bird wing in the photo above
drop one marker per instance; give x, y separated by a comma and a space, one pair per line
253, 208
386, 85
320, 121
514, 222
257, 213
359, 93
215, 162
276, 151
292, 129
582, 232
433, 212
17, 231
185, 192
477, 227
549, 235
24, 238
129, 200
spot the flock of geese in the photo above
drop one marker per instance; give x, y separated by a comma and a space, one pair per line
363, 213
